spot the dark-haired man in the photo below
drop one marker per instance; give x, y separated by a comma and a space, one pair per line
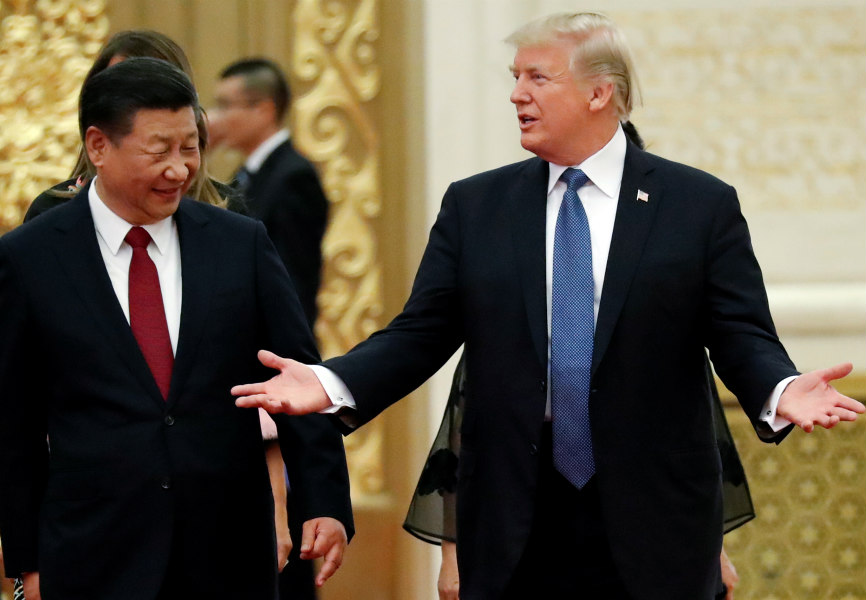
281, 187
125, 470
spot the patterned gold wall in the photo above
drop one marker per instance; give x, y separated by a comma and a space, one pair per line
808, 541
46, 48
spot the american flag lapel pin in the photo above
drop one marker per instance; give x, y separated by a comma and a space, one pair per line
642, 196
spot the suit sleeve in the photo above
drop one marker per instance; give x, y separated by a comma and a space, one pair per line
396, 360
311, 446
743, 343
23, 445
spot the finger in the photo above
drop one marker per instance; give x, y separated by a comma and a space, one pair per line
248, 389
318, 547
328, 569
333, 560
255, 401
844, 415
827, 421
806, 426
851, 405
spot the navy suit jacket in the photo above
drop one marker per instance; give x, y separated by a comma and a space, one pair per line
130, 479
681, 277
285, 195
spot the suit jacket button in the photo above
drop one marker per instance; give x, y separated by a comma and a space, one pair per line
165, 483
533, 449
542, 385
169, 420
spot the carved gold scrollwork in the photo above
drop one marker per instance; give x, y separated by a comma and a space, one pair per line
46, 48
334, 61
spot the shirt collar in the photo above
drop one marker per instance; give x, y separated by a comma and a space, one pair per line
604, 168
263, 151
113, 229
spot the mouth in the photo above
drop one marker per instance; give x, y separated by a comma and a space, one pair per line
168, 194
525, 120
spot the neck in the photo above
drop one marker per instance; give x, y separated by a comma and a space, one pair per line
260, 139
591, 141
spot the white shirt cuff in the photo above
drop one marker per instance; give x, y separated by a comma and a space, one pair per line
338, 393
768, 413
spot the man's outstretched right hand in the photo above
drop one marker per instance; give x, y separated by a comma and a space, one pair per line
295, 390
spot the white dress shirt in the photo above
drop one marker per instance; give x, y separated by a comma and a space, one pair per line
164, 251
599, 198
258, 156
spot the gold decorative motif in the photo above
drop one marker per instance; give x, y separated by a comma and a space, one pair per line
336, 73
810, 500
46, 48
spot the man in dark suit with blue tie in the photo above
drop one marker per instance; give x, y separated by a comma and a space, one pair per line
126, 471
586, 284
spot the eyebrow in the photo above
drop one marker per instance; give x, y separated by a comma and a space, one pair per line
530, 67
158, 137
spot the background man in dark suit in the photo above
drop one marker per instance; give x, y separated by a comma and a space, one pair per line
281, 187
621, 500
126, 471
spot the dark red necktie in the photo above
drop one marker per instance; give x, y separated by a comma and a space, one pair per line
146, 311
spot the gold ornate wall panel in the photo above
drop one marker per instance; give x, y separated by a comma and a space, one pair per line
46, 48
335, 74
808, 541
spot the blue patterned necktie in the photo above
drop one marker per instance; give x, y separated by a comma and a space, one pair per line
572, 326
241, 180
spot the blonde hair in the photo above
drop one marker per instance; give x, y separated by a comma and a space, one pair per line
600, 51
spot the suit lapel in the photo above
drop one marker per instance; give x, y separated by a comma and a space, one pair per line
198, 272
634, 218
78, 254
528, 203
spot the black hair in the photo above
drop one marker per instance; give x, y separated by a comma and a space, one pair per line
110, 99
263, 79
631, 133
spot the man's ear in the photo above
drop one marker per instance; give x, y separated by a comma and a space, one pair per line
268, 108
96, 144
602, 95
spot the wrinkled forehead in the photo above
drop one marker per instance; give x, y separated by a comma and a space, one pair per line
165, 124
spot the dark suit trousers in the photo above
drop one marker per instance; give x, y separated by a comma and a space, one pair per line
567, 555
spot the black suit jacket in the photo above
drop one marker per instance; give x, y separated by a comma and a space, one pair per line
285, 195
681, 276
131, 480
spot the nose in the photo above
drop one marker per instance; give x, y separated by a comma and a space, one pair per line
180, 168
519, 95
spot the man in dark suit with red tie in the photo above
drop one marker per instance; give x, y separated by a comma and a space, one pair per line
126, 471
586, 284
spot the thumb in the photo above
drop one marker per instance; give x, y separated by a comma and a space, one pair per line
837, 372
308, 536
271, 360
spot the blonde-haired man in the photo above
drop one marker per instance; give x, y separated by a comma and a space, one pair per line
586, 284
